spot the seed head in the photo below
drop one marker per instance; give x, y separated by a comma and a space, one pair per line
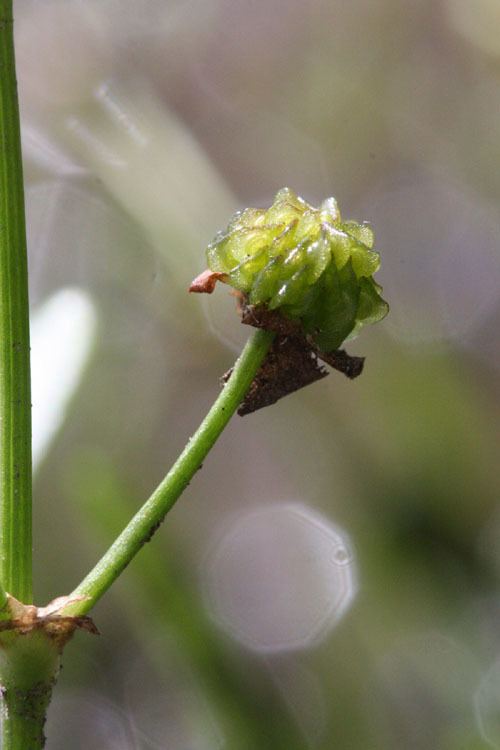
304, 262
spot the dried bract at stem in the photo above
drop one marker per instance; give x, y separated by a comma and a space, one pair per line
288, 366
293, 351
259, 316
272, 320
345, 363
205, 282
26, 618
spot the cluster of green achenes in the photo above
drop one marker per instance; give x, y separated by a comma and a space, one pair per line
307, 263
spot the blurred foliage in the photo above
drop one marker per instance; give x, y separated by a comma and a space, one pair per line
146, 125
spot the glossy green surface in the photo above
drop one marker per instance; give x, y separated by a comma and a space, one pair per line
306, 262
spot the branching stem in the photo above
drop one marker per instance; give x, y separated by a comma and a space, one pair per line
145, 522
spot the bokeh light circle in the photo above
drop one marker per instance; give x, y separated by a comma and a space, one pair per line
280, 577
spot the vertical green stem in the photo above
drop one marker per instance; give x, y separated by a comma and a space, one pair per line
28, 665
4, 605
15, 403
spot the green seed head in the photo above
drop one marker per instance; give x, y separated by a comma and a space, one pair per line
307, 263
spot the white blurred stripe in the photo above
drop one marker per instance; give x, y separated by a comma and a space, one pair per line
62, 333
44, 152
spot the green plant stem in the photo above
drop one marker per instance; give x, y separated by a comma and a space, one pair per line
15, 400
4, 609
146, 521
103, 499
29, 665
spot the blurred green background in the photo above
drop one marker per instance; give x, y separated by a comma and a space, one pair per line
331, 578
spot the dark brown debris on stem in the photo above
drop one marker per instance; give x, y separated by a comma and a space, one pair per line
292, 362
271, 320
345, 363
259, 316
288, 366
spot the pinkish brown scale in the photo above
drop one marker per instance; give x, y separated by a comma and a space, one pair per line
205, 282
